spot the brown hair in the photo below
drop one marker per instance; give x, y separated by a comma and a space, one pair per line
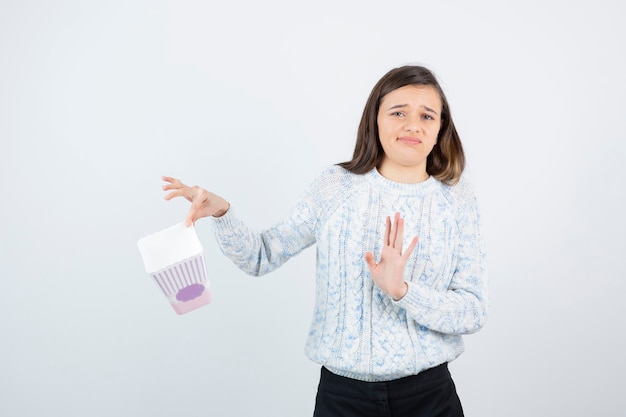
445, 162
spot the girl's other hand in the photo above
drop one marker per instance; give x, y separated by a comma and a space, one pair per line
203, 203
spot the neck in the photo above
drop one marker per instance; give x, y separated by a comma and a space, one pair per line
407, 175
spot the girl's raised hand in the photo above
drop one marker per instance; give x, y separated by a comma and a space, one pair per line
388, 274
203, 203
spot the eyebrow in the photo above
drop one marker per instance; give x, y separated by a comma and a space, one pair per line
399, 106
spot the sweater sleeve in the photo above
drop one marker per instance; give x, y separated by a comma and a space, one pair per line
462, 307
258, 253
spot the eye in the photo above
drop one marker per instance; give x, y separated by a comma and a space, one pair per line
427, 117
397, 114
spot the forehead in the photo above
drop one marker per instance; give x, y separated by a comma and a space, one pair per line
416, 95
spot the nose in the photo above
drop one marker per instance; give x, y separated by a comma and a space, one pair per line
412, 123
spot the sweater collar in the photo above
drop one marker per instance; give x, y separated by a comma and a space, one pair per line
419, 188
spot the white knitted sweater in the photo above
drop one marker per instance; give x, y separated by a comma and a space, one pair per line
358, 331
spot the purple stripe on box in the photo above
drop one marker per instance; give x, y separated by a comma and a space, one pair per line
185, 274
189, 273
198, 268
192, 269
170, 279
204, 275
199, 264
156, 279
203, 269
164, 283
180, 279
171, 286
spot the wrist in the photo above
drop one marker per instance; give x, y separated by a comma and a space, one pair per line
399, 295
223, 211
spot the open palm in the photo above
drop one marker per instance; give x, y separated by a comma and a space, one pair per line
388, 274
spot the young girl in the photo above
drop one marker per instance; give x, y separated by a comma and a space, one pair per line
390, 312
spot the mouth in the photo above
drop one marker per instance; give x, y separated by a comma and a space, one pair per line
408, 140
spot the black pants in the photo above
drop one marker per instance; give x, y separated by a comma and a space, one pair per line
431, 393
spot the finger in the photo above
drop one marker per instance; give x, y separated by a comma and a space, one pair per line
399, 234
173, 183
178, 193
173, 194
170, 180
199, 199
387, 231
410, 249
371, 262
190, 219
394, 230
172, 186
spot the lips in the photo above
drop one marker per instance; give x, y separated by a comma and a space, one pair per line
410, 140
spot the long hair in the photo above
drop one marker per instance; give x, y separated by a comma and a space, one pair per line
445, 162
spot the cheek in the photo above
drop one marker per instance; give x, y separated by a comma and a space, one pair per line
434, 132
384, 132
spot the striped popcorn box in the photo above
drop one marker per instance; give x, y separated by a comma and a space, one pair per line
175, 260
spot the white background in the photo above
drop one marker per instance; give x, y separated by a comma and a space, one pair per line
252, 100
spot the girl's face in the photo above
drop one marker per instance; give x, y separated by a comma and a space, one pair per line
409, 119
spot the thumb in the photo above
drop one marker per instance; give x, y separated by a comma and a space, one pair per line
190, 219
412, 246
369, 259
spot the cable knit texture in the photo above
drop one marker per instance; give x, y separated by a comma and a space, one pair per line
358, 331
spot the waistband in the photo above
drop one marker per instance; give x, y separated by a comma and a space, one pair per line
397, 388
